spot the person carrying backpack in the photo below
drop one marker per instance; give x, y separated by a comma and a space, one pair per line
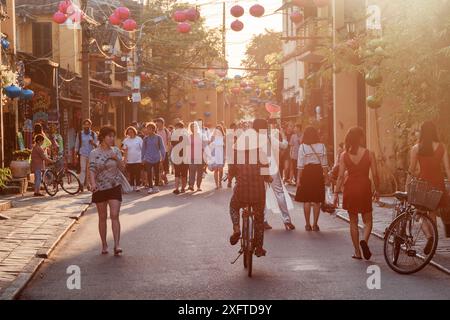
86, 141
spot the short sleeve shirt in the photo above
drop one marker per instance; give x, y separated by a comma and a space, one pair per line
134, 149
106, 170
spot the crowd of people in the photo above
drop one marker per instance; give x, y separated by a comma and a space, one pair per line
292, 156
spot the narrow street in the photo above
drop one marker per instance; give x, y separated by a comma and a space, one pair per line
176, 247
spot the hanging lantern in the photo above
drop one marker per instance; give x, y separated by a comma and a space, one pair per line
5, 44
63, 6
129, 25
237, 11
257, 10
12, 91
122, 12
26, 94
243, 84
296, 17
207, 114
179, 16
114, 19
374, 77
237, 25
59, 17
192, 14
271, 108
321, 3
184, 27
373, 102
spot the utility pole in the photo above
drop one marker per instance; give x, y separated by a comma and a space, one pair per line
224, 30
86, 90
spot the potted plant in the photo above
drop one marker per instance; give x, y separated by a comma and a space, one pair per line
20, 166
5, 175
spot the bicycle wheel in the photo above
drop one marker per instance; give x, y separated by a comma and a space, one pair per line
410, 242
70, 182
50, 182
244, 238
250, 237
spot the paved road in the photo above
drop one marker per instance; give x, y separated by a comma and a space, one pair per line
176, 247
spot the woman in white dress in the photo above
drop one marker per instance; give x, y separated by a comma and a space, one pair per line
217, 160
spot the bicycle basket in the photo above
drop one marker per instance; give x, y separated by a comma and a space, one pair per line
422, 194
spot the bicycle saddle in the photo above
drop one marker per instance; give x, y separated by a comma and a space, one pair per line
402, 196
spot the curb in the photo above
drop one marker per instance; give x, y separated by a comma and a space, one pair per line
17, 286
376, 234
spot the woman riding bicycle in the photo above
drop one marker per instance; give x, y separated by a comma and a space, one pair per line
250, 190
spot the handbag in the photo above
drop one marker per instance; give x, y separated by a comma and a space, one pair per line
125, 185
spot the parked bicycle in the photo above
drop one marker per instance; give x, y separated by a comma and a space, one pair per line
247, 239
411, 240
58, 175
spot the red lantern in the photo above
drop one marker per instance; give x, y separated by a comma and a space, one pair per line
184, 27
272, 108
237, 25
59, 17
244, 84
296, 17
237, 11
192, 14
114, 19
129, 25
122, 12
236, 90
257, 10
321, 3
179, 16
63, 6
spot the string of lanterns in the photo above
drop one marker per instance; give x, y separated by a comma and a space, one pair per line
184, 17
238, 11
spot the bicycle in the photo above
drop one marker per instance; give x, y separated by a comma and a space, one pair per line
247, 239
53, 178
405, 251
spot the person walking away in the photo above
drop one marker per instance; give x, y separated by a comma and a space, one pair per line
164, 133
86, 142
294, 144
277, 196
232, 164
132, 146
38, 157
432, 156
357, 161
57, 146
250, 191
217, 146
153, 152
312, 170
196, 165
179, 160
105, 165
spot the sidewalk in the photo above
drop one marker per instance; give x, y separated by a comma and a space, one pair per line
32, 228
382, 218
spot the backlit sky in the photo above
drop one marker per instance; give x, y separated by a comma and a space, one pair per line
237, 41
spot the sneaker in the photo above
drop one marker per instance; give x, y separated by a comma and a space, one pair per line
38, 195
150, 190
182, 191
191, 188
176, 191
260, 252
199, 189
267, 226
155, 190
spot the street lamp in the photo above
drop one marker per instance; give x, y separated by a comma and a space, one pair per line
351, 28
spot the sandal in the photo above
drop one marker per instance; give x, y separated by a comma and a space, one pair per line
365, 248
235, 238
356, 257
260, 252
105, 252
308, 227
117, 252
315, 228
289, 226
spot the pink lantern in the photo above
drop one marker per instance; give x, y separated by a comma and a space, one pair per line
192, 14
63, 6
184, 27
237, 25
321, 3
272, 108
76, 17
237, 11
257, 10
296, 17
129, 25
243, 84
179, 16
114, 19
59, 17
122, 12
